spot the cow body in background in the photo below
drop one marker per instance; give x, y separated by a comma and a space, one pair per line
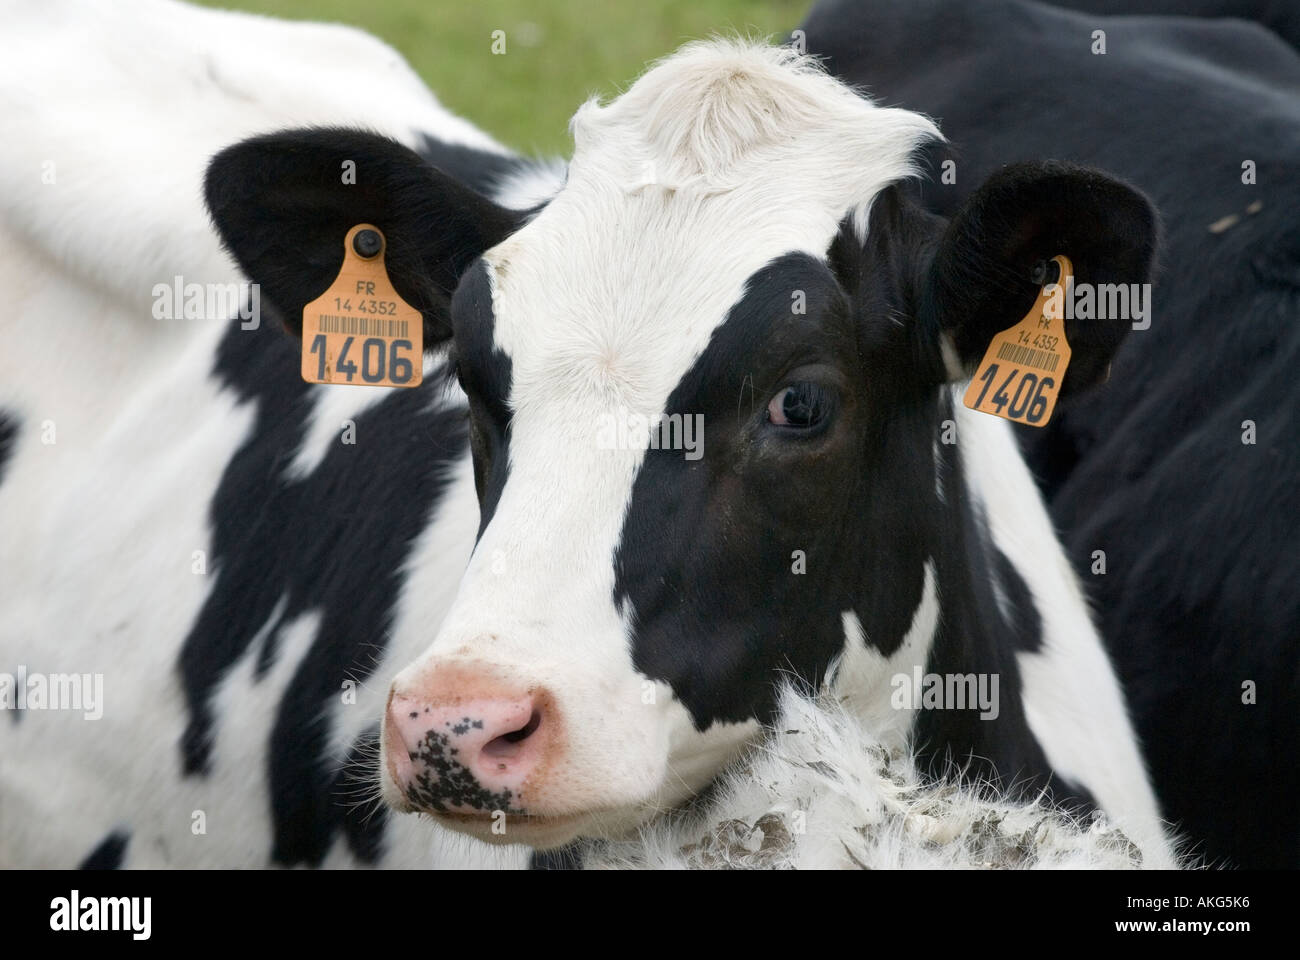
171, 493
1198, 528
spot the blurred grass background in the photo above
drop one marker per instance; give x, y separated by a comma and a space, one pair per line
558, 52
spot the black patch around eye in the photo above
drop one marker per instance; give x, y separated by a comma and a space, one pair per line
703, 564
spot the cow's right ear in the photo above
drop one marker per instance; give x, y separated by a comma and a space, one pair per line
284, 202
981, 280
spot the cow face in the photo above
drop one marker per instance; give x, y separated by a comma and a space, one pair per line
703, 384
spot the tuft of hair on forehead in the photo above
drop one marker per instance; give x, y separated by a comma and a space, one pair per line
718, 113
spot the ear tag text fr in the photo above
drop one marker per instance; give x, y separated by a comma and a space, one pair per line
1021, 373
360, 331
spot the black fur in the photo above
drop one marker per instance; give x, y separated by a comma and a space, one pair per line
8, 439
481, 170
332, 543
484, 374
705, 559
282, 207
1199, 530
1022, 215
108, 854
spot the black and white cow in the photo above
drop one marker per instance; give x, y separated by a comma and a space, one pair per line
1199, 529
170, 497
735, 239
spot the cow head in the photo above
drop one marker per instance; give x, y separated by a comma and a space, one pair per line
704, 387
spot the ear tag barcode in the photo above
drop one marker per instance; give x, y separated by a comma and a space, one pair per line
360, 331
1021, 373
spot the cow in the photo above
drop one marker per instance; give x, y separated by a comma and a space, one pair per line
581, 628
170, 498
1174, 485
737, 244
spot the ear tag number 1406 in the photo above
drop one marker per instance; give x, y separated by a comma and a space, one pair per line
360, 331
1020, 376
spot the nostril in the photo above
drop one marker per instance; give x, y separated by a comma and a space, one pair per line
509, 744
527, 730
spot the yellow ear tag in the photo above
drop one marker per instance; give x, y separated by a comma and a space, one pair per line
1021, 373
359, 330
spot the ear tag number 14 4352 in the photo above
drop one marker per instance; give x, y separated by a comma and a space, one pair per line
1021, 373
360, 331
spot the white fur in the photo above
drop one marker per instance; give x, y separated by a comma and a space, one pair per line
863, 677
1072, 698
129, 100
531, 185
824, 792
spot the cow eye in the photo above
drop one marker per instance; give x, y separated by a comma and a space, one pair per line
801, 406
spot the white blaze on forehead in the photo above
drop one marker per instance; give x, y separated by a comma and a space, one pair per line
721, 158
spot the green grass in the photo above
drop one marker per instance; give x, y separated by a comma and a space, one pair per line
558, 52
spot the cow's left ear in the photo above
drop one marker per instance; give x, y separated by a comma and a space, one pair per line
982, 277
283, 202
